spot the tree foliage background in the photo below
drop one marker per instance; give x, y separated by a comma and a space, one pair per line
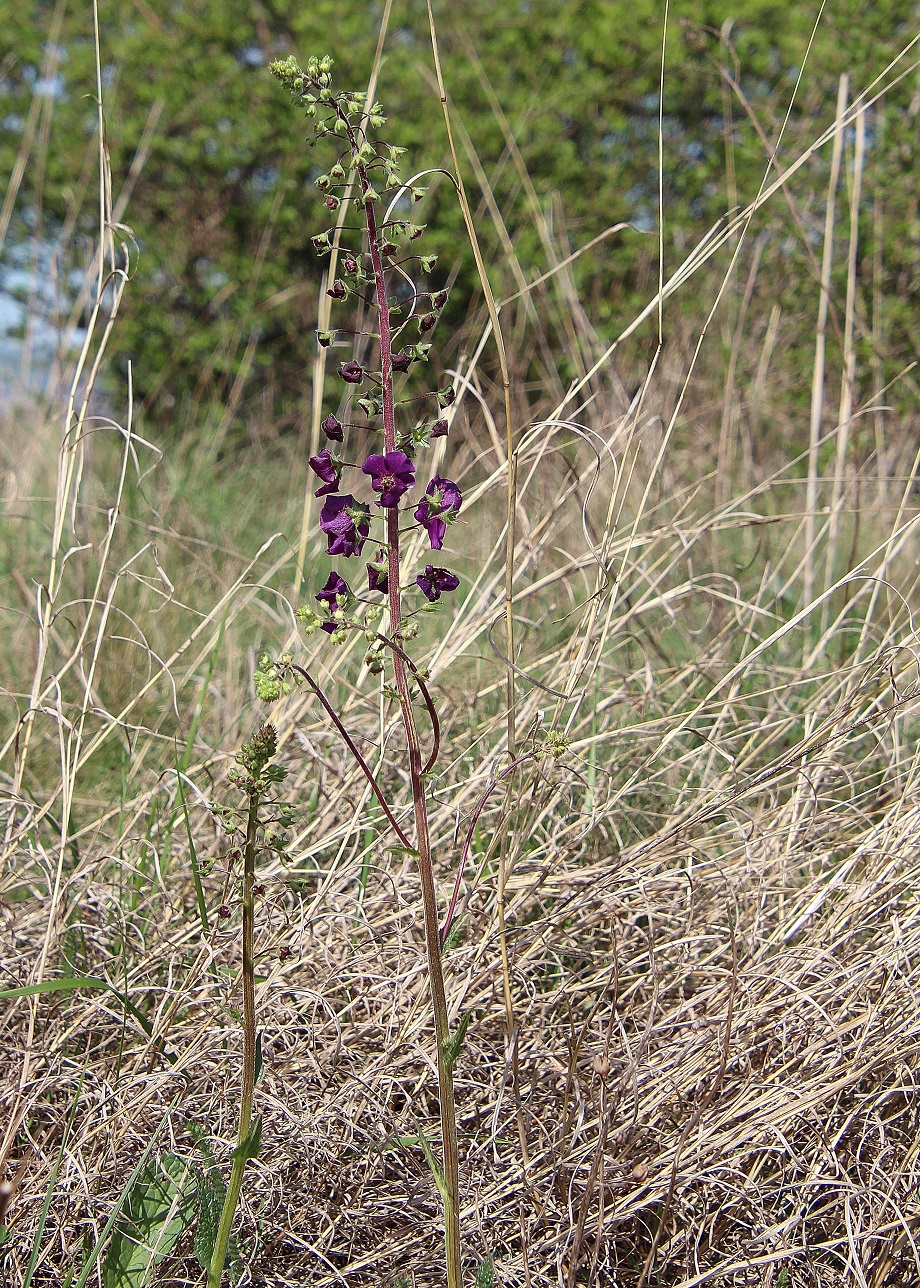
222, 206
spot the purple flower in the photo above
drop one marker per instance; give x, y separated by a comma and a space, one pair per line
390, 475
346, 525
443, 498
328, 470
427, 322
332, 428
352, 373
329, 595
338, 290
400, 361
377, 578
439, 429
433, 581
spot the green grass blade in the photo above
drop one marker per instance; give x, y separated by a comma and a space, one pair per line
193, 857
77, 983
46, 1206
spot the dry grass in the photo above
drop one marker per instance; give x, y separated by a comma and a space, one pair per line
710, 900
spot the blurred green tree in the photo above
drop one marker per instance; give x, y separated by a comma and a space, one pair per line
222, 206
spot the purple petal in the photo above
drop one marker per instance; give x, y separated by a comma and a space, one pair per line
377, 578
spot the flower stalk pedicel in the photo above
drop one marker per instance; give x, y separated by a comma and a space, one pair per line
363, 170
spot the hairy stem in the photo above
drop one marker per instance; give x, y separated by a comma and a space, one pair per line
451, 1165
244, 1145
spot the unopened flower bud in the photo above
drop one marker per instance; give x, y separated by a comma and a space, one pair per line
438, 301
223, 912
324, 339
338, 290
332, 428
427, 322
400, 361
388, 248
439, 429
350, 264
332, 203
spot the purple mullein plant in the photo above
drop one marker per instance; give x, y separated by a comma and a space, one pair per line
377, 271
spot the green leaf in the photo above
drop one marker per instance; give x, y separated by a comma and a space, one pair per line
159, 1209
211, 1194
484, 1276
260, 1063
435, 1166
453, 1044
249, 1147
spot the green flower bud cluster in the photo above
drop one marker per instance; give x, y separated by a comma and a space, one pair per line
309, 620
346, 116
269, 682
555, 744
256, 773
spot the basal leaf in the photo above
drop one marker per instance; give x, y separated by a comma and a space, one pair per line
159, 1208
